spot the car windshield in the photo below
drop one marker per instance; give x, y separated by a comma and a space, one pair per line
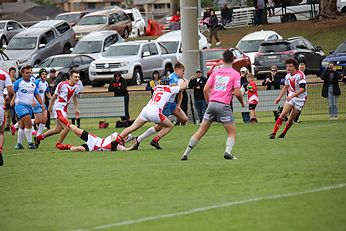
68, 17
277, 47
123, 50
87, 47
213, 54
56, 62
341, 48
93, 20
249, 45
2, 25
130, 16
172, 47
22, 43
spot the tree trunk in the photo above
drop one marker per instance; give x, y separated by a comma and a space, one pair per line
328, 8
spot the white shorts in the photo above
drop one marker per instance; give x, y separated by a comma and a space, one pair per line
2, 115
59, 112
297, 103
152, 114
90, 140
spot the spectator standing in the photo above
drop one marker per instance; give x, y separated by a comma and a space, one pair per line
52, 85
273, 81
252, 97
197, 83
206, 14
118, 85
331, 89
243, 83
259, 6
214, 27
226, 15
271, 7
175, 21
155, 80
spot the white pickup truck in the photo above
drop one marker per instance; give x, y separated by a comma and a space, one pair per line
135, 60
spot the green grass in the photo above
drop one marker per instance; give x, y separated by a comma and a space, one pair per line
47, 189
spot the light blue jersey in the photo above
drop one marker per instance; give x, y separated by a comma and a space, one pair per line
173, 79
42, 88
25, 92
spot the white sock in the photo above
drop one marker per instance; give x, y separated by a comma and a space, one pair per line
147, 133
193, 142
16, 125
28, 134
40, 129
229, 145
128, 138
33, 121
21, 135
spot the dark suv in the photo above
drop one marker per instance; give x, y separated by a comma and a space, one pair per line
276, 52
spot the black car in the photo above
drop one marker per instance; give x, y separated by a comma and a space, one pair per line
276, 52
64, 63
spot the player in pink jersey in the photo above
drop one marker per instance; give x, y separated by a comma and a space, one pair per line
218, 94
295, 85
64, 93
5, 83
152, 112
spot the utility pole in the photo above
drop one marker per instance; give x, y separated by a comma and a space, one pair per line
189, 33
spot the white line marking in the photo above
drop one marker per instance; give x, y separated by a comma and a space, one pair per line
174, 140
227, 204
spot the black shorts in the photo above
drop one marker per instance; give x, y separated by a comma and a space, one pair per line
252, 106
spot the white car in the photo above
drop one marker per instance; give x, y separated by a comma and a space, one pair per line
341, 6
250, 43
95, 43
138, 23
173, 41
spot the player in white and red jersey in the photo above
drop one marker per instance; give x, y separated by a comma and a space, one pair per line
218, 93
5, 83
295, 85
64, 93
93, 142
152, 112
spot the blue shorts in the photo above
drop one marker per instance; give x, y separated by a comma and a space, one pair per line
23, 110
38, 108
169, 108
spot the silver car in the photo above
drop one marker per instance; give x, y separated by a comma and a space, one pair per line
44, 39
8, 29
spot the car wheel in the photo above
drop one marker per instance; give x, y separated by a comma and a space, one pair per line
3, 41
126, 33
66, 49
137, 77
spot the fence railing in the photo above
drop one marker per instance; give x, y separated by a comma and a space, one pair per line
316, 107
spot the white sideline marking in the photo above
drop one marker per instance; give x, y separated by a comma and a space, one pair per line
227, 204
174, 140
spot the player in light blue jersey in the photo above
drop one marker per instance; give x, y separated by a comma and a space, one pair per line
25, 91
171, 108
43, 90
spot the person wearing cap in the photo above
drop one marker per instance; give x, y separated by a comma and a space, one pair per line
243, 83
197, 83
118, 85
44, 91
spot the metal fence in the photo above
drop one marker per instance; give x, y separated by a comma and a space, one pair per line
316, 107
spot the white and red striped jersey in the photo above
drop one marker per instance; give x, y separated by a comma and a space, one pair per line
104, 144
161, 95
65, 93
5, 81
293, 82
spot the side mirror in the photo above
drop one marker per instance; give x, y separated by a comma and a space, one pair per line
145, 54
75, 65
318, 48
4, 46
106, 48
41, 46
71, 49
10, 28
331, 52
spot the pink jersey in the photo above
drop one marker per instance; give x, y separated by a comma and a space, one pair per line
223, 81
65, 93
161, 95
293, 82
5, 81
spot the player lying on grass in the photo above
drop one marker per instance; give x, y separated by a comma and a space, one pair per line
93, 142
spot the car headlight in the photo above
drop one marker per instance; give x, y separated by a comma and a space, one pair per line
324, 63
124, 64
93, 65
